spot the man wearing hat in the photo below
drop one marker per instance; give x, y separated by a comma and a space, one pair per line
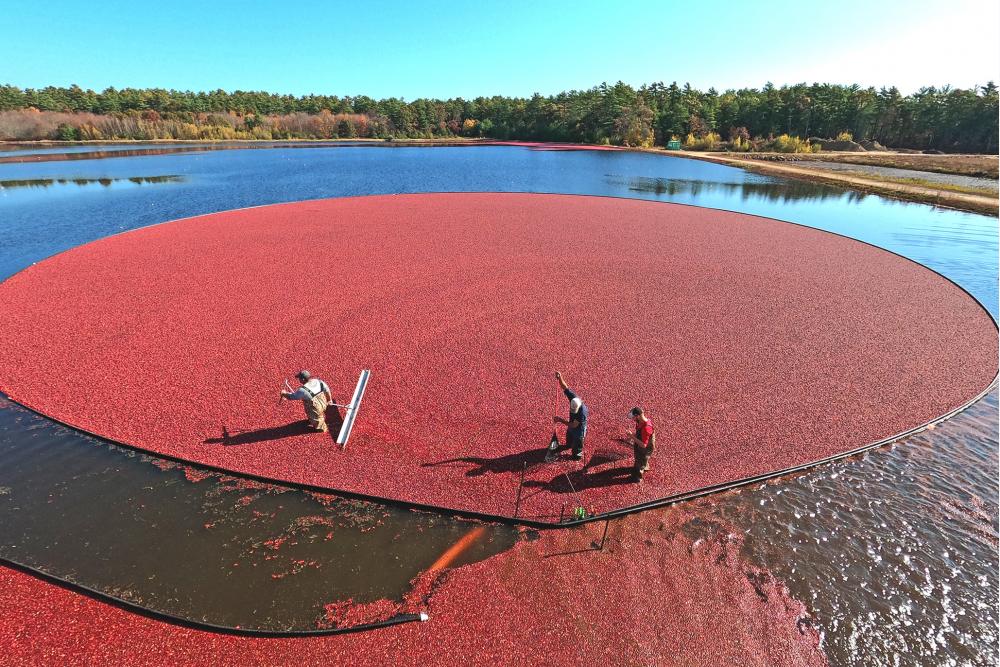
315, 397
576, 425
642, 442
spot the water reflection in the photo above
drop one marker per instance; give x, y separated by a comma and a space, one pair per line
100, 152
97, 154
106, 182
771, 191
205, 546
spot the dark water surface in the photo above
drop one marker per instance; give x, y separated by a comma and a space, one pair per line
895, 553
205, 546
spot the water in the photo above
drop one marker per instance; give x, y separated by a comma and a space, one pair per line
933, 602
895, 554
24, 149
81, 182
963, 246
77, 151
205, 546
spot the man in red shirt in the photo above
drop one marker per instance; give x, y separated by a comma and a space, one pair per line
642, 442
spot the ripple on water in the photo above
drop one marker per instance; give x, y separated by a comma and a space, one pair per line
895, 553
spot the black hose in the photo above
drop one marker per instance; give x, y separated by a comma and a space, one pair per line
200, 625
533, 523
542, 525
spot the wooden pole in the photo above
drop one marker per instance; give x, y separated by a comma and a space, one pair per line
520, 488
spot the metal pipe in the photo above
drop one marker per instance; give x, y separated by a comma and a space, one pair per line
605, 536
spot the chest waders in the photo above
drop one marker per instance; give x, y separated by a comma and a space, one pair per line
642, 454
315, 407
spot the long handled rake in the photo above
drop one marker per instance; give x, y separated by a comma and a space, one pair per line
550, 455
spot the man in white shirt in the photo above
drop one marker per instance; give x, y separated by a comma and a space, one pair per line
315, 397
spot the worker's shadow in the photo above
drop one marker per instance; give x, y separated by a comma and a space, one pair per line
501, 464
587, 477
334, 420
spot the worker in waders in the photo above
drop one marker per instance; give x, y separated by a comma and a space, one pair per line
642, 441
315, 397
576, 424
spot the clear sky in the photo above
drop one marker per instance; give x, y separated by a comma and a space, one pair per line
417, 48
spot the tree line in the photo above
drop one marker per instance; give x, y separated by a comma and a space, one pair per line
946, 119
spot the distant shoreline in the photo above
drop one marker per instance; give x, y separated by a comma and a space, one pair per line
142, 142
763, 163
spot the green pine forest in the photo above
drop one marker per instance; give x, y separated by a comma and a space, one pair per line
952, 120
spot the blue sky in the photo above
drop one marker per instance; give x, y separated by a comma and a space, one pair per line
436, 49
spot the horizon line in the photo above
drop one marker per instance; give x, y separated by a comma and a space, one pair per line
977, 87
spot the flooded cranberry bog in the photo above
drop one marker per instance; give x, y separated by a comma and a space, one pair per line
872, 346
811, 344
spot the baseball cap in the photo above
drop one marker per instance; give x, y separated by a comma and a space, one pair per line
635, 412
574, 405
303, 375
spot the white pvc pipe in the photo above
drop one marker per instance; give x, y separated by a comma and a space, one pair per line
352, 410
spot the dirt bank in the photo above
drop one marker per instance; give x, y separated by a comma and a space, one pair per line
981, 166
906, 192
